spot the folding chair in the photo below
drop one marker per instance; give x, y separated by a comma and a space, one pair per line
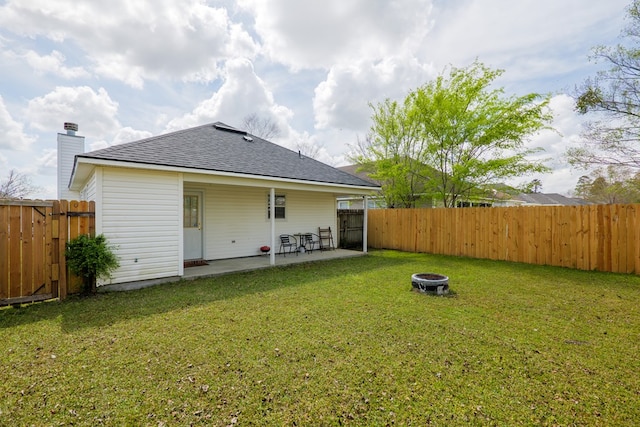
326, 238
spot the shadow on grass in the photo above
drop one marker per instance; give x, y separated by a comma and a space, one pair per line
105, 309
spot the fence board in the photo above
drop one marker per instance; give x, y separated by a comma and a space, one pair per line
632, 243
636, 234
4, 252
39, 267
26, 221
601, 237
15, 252
49, 272
60, 208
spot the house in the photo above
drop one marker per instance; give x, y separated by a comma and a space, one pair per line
498, 198
549, 199
209, 192
357, 202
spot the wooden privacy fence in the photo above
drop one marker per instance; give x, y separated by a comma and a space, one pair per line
596, 237
33, 235
351, 223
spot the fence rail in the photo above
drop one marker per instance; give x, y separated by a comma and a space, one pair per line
33, 236
596, 237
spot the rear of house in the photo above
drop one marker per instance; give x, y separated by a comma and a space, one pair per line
203, 193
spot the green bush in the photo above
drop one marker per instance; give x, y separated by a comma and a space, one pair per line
90, 258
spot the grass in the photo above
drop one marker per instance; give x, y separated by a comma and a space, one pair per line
333, 343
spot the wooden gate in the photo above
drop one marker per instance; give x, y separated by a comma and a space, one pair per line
351, 224
33, 236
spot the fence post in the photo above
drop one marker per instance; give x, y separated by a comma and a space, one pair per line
62, 241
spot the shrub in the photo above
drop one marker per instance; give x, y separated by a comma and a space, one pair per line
90, 258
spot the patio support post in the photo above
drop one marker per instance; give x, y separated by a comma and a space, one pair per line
272, 215
364, 224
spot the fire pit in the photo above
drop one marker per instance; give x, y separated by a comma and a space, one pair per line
430, 283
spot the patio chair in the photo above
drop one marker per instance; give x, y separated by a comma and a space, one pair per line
326, 238
288, 243
310, 241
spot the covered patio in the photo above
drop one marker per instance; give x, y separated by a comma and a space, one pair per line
235, 265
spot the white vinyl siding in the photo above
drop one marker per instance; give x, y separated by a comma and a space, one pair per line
141, 218
88, 192
307, 211
235, 223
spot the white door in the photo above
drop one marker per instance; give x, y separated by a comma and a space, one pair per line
192, 214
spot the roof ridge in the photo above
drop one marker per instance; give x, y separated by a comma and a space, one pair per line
148, 139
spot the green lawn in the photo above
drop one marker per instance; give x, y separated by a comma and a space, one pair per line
331, 343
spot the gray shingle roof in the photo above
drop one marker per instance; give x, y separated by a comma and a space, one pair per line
353, 170
550, 199
219, 147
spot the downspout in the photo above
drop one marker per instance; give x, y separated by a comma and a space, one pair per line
272, 215
364, 224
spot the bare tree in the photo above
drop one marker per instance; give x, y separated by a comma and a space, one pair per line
263, 127
612, 137
308, 149
16, 186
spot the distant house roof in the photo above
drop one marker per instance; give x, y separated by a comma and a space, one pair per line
221, 148
353, 170
550, 199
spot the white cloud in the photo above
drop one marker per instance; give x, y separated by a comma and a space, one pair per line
54, 64
134, 40
12, 132
94, 112
531, 39
128, 134
47, 162
320, 34
242, 93
342, 100
121, 136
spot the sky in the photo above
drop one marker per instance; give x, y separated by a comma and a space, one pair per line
124, 70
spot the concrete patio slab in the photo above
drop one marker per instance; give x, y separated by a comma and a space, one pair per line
225, 266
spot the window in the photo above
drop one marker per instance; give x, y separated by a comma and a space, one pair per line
190, 211
280, 206
343, 204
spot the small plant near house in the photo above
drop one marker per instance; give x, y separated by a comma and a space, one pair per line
90, 258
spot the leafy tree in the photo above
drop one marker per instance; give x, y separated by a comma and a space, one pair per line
533, 187
260, 126
388, 155
452, 138
16, 186
583, 187
610, 185
614, 96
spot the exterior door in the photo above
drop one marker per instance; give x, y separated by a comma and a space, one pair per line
192, 217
